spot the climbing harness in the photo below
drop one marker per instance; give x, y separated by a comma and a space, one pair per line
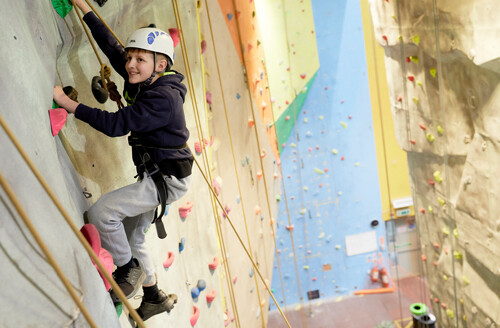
151, 169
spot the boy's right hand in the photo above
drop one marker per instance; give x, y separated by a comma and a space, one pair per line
82, 5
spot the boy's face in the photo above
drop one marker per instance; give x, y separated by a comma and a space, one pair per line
139, 66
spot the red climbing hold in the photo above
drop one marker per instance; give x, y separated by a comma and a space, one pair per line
214, 264
195, 316
57, 118
169, 260
174, 34
185, 209
411, 78
89, 231
211, 296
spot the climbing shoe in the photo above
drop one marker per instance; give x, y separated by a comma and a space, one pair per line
129, 279
161, 304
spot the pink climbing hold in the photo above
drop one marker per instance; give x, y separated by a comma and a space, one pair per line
209, 97
229, 319
290, 227
251, 123
203, 46
342, 158
184, 210
257, 209
195, 316
89, 231
262, 153
303, 76
227, 209
169, 260
214, 264
57, 118
287, 118
211, 296
197, 147
217, 185
174, 34
259, 174
235, 279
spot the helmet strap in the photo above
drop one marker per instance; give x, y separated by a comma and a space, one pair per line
149, 79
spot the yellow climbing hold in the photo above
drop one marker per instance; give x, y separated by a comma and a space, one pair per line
450, 313
344, 124
306, 120
319, 171
306, 188
430, 137
446, 231
335, 151
416, 40
415, 100
430, 208
293, 145
433, 72
303, 210
457, 255
306, 267
455, 233
437, 176
419, 83
441, 201
414, 59
321, 235
440, 129
445, 277
320, 117
466, 280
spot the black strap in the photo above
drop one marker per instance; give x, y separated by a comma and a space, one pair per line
161, 187
151, 169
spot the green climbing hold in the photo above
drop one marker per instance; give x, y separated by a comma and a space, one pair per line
119, 309
62, 7
418, 309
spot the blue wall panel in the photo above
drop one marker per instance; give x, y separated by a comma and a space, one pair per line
324, 208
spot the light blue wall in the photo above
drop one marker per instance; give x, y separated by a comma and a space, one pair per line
349, 198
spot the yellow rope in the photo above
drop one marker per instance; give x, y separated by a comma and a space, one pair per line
45, 250
72, 225
261, 162
233, 156
200, 132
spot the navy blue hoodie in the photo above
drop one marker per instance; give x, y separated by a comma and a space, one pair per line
155, 113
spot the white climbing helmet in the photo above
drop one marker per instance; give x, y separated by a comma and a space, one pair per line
152, 39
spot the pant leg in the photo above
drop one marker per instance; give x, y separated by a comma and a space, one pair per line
136, 228
109, 211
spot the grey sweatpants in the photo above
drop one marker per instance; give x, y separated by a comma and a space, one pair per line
123, 216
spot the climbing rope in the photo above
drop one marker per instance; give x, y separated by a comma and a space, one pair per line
73, 227
260, 159
205, 159
233, 154
105, 71
50, 258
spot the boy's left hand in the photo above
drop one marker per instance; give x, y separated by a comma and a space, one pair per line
64, 101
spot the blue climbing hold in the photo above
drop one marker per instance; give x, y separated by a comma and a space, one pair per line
201, 285
181, 244
195, 292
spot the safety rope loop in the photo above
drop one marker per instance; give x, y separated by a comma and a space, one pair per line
114, 94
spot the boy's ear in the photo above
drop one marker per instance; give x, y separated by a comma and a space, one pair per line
161, 65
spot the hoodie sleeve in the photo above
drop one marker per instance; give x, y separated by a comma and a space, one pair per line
107, 43
146, 115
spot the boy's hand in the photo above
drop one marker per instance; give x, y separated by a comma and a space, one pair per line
64, 101
82, 5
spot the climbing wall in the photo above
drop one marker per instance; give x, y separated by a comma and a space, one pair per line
330, 173
442, 68
80, 165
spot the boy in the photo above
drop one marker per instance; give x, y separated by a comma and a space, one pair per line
155, 118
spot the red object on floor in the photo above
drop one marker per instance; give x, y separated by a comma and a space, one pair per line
89, 231
384, 277
375, 274
57, 118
